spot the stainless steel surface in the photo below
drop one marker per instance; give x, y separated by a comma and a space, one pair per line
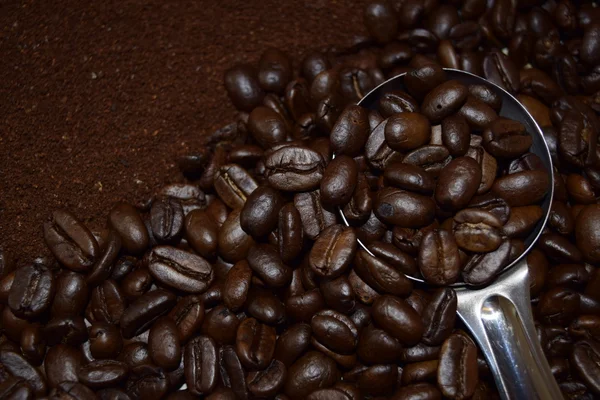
499, 315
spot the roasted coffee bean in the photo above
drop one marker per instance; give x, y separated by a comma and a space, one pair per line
265, 306
477, 230
294, 168
580, 189
61, 364
274, 70
522, 188
456, 135
378, 379
439, 260
376, 346
422, 80
407, 131
558, 305
19, 367
259, 213
15, 388
127, 222
432, 158
333, 251
458, 374
292, 343
146, 381
188, 315
163, 344
179, 269
314, 370
166, 220
107, 303
377, 152
71, 295
70, 241
355, 83
394, 54
458, 183
380, 275
33, 344
201, 365
233, 243
72, 390
234, 184
201, 233
103, 373
419, 372
588, 239
444, 100
220, 324
339, 181
584, 359
290, 233
105, 340
558, 248
421, 391
439, 316
233, 375
312, 214
338, 294
136, 283
402, 208
335, 331
397, 318
123, 266
269, 381
103, 268
255, 344
500, 69
395, 102
32, 291
135, 353
267, 265
506, 138
142, 312
381, 22
482, 267
241, 83
359, 207
477, 113
66, 330
236, 286
409, 177
394, 256
522, 221
313, 64
486, 95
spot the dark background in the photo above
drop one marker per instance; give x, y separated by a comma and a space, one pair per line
98, 98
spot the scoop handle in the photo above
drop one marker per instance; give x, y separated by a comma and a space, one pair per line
500, 318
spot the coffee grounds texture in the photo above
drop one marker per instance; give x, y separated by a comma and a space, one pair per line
97, 99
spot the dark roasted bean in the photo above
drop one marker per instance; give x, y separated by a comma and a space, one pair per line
269, 381
314, 370
333, 251
105, 340
127, 222
179, 269
146, 381
233, 184
32, 291
143, 311
458, 374
166, 220
201, 365
294, 168
233, 243
255, 344
339, 180
439, 260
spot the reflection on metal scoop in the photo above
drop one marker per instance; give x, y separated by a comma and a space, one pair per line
499, 315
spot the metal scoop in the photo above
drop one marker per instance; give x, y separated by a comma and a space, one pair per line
499, 315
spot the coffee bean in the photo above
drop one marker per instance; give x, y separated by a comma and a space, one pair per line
201, 233
146, 381
265, 306
506, 138
558, 305
259, 214
439, 316
310, 372
481, 268
409, 177
201, 365
402, 208
103, 268
103, 373
378, 153
398, 319
292, 343
274, 70
381, 21
395, 102
522, 188
72, 390
584, 358
32, 291
166, 219
70, 241
333, 251
522, 221
439, 261
241, 83
457, 374
407, 131
290, 232
163, 343
266, 263
233, 243
359, 207
422, 80
234, 184
142, 312
338, 294
432, 158
339, 180
376, 346
381, 276
294, 168
585, 233
500, 70
233, 375
180, 270
335, 331
314, 217
255, 344
136, 283
477, 230
19, 367
444, 100
126, 221
269, 381
458, 183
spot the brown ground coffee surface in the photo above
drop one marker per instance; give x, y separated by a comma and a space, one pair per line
98, 98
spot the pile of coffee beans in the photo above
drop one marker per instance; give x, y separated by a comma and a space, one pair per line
449, 170
244, 282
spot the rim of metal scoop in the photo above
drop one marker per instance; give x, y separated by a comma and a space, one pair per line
511, 108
